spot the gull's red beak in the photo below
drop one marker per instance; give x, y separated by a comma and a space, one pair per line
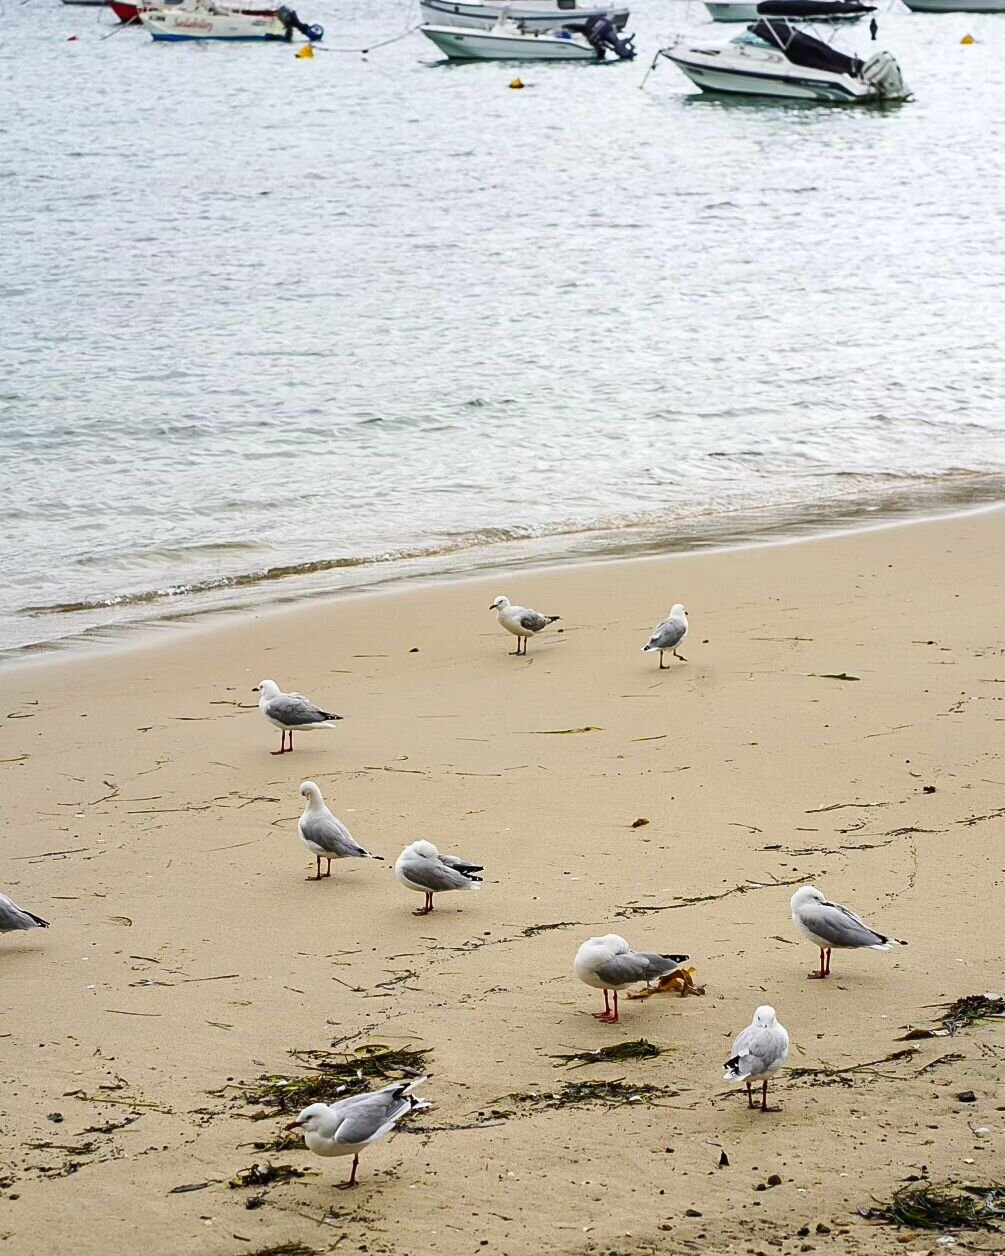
293, 1125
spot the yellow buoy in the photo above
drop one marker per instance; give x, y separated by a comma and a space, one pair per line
305, 53
967, 39
516, 83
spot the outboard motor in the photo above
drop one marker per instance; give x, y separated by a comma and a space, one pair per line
292, 23
882, 72
602, 35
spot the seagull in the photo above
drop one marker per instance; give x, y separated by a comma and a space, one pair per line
421, 867
759, 1050
324, 834
669, 634
609, 963
289, 711
829, 925
346, 1127
521, 621
13, 917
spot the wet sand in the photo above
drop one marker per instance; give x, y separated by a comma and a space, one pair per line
144, 817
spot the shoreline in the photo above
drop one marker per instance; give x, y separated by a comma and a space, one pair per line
834, 723
146, 633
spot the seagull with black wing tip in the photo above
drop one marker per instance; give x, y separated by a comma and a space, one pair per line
291, 712
324, 834
521, 621
610, 964
14, 918
829, 926
759, 1050
669, 634
422, 868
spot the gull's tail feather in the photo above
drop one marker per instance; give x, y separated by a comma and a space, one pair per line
734, 1070
887, 944
553, 619
42, 924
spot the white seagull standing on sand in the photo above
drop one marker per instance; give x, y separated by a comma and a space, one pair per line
13, 918
522, 622
669, 634
290, 711
609, 963
346, 1127
759, 1050
324, 834
421, 867
830, 925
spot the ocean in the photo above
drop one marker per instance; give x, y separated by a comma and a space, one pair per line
274, 328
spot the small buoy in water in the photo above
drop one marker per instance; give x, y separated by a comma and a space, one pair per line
72, 38
516, 83
967, 39
305, 53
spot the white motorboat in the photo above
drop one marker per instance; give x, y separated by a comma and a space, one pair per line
791, 10
543, 14
956, 6
203, 19
772, 58
509, 41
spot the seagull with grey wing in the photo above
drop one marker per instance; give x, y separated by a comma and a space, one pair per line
829, 925
759, 1050
324, 834
14, 918
347, 1127
422, 868
669, 634
610, 964
521, 621
290, 712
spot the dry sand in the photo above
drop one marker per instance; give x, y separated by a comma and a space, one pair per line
143, 815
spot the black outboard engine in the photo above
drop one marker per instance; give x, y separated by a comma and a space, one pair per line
292, 23
602, 35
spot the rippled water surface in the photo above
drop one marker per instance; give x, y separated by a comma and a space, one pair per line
271, 326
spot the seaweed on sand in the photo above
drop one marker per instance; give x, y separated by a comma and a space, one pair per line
332, 1073
265, 1173
639, 1049
612, 1094
926, 1206
958, 1015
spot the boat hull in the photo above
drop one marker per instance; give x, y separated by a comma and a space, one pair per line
770, 76
956, 6
541, 14
727, 11
460, 44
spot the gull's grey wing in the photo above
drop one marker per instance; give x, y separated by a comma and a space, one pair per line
328, 832
757, 1050
374, 1113
13, 917
533, 621
463, 866
295, 711
839, 926
669, 633
621, 970
434, 875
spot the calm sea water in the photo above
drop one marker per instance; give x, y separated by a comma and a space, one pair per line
271, 327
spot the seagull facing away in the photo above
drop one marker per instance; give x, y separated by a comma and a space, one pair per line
830, 925
522, 622
421, 867
324, 834
13, 917
346, 1127
609, 963
759, 1050
669, 634
289, 711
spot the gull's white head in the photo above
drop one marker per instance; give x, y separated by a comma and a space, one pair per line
500, 604
805, 895
426, 849
677, 611
764, 1017
311, 791
311, 1118
268, 690
611, 943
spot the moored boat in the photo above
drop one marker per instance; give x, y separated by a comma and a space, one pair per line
543, 14
793, 10
205, 19
772, 58
956, 6
128, 12
509, 41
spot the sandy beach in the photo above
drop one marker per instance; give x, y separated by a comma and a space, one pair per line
839, 720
